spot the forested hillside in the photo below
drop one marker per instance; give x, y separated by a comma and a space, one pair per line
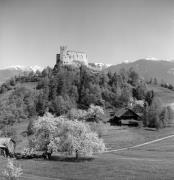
65, 87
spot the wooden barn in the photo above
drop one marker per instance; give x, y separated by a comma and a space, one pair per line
7, 146
126, 116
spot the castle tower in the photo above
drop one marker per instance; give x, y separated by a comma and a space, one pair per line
63, 53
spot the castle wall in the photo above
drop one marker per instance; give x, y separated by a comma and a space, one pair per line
70, 57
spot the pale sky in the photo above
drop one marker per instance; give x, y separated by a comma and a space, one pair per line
109, 31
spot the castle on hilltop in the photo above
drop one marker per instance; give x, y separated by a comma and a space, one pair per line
69, 57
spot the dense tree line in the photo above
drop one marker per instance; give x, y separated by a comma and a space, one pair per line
71, 87
18, 106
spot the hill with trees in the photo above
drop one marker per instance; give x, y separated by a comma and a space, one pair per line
64, 88
77, 93
150, 70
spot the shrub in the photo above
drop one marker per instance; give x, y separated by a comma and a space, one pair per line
95, 113
12, 171
30, 129
153, 112
28, 151
164, 117
170, 114
77, 114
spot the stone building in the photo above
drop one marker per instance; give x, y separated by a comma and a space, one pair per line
67, 57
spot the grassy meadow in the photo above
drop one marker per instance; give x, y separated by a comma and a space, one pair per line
166, 95
153, 161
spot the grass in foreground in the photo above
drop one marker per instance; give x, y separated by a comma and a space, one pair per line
154, 161
136, 165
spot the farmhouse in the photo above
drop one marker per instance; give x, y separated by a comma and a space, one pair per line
7, 146
126, 116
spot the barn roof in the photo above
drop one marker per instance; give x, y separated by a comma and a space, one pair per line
2, 146
5, 141
122, 111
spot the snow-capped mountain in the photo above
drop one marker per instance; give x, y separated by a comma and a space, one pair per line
23, 68
99, 66
11, 71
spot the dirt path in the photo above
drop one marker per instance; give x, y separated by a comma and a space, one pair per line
139, 145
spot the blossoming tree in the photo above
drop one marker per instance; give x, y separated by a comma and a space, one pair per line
95, 113
59, 134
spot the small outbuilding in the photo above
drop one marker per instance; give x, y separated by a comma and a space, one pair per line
126, 116
7, 146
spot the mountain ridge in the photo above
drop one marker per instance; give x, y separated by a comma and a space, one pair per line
23, 68
161, 69
11, 71
148, 68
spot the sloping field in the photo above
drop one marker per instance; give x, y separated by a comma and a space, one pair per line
153, 161
120, 137
166, 95
161, 146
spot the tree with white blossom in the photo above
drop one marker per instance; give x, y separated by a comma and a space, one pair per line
59, 134
95, 113
77, 114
